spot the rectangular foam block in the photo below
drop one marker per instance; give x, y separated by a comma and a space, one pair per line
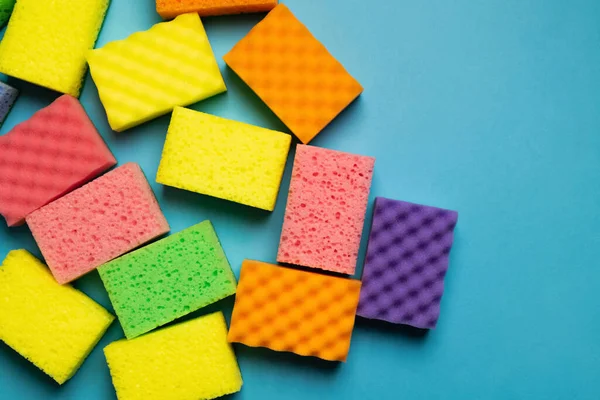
149, 73
293, 73
223, 158
326, 208
406, 262
98, 222
53, 326
296, 311
8, 96
206, 8
46, 42
191, 360
55, 151
6, 9
168, 279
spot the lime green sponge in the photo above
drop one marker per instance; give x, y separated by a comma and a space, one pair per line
53, 326
168, 279
149, 73
223, 158
187, 361
46, 42
6, 8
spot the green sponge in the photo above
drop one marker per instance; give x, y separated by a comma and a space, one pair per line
6, 7
168, 279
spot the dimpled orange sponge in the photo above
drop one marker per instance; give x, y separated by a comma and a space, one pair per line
293, 73
288, 310
172, 8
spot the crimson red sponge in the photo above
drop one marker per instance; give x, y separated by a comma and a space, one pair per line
41, 159
98, 222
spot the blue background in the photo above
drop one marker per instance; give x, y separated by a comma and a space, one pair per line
486, 107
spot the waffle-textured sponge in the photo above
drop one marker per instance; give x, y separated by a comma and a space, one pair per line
53, 326
6, 9
406, 262
288, 310
46, 42
100, 221
149, 73
188, 361
293, 73
206, 8
168, 279
8, 96
224, 158
326, 208
55, 151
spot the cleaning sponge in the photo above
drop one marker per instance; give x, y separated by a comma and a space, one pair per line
8, 95
223, 158
149, 73
301, 312
168, 279
326, 208
46, 42
293, 73
205, 8
50, 154
55, 327
6, 8
188, 361
100, 221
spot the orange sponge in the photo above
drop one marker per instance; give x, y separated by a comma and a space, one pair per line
288, 310
172, 8
293, 73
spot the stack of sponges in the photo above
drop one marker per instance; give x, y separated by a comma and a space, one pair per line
46, 42
8, 96
206, 8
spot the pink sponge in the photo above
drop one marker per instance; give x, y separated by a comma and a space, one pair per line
52, 153
97, 222
326, 209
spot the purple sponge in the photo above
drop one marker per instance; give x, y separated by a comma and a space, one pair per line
406, 262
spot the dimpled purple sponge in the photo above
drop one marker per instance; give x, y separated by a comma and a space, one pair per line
406, 262
8, 95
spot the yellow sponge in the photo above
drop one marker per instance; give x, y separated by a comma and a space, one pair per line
223, 158
191, 360
149, 73
53, 326
46, 42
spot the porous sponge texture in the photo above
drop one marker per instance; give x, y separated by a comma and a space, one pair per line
8, 96
168, 279
100, 221
187, 361
47, 156
406, 262
288, 310
53, 326
293, 73
223, 158
6, 9
149, 73
326, 208
206, 8
46, 42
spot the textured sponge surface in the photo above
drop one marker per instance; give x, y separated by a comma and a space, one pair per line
223, 158
53, 326
406, 262
293, 73
41, 159
8, 95
168, 279
187, 361
301, 312
97, 222
149, 73
46, 42
206, 8
326, 209
6, 8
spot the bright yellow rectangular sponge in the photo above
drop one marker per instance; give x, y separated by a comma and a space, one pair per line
53, 326
223, 158
188, 361
149, 73
46, 42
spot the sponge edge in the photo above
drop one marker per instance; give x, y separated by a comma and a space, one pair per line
208, 8
46, 42
8, 96
53, 326
190, 360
